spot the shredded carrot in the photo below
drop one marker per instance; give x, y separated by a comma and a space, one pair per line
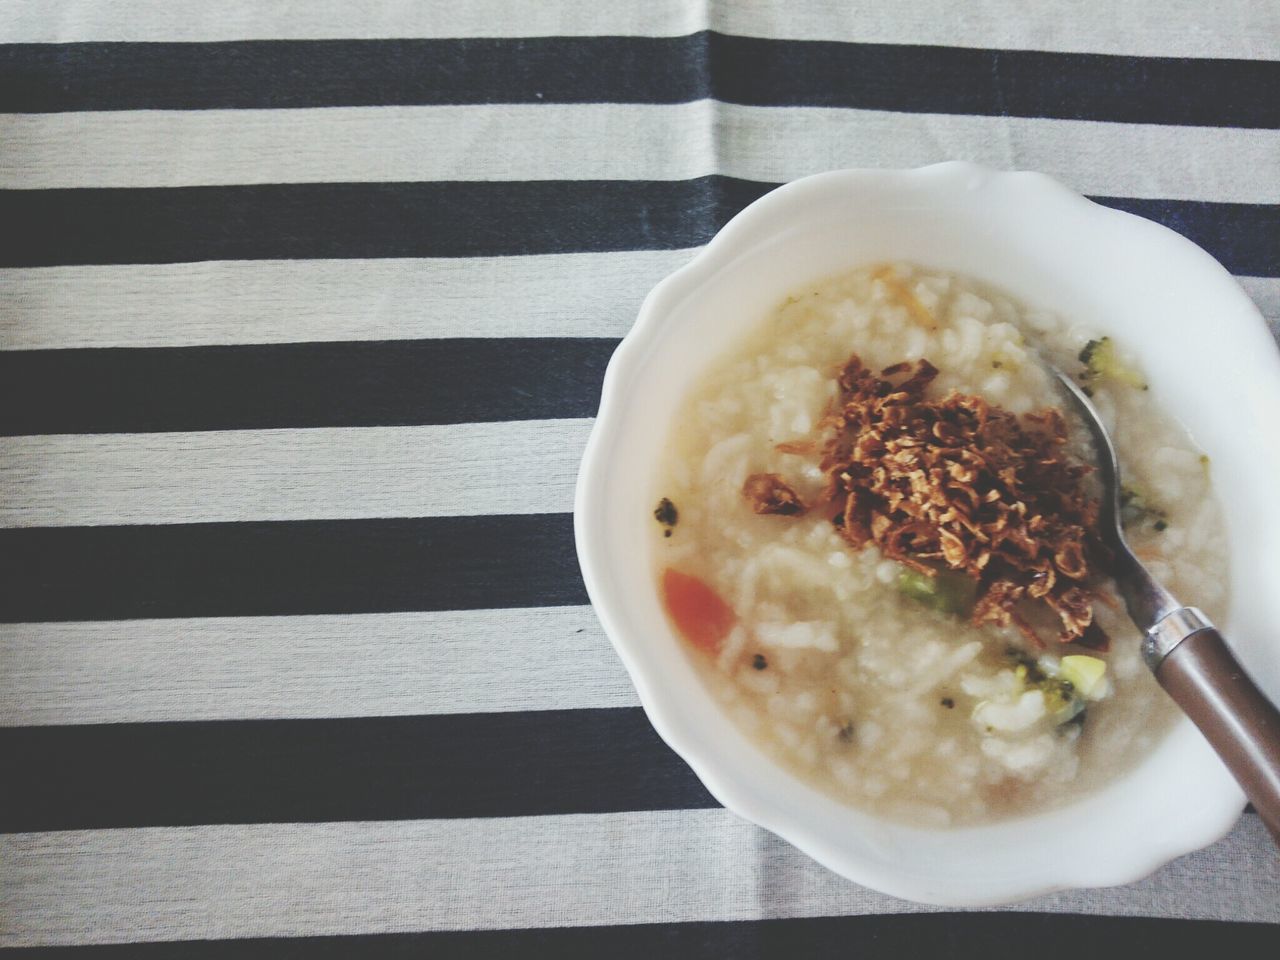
904, 297
702, 618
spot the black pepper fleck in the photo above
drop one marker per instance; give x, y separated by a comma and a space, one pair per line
666, 514
948, 702
846, 732
759, 662
1161, 525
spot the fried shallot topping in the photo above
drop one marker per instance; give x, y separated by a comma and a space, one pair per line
768, 493
962, 485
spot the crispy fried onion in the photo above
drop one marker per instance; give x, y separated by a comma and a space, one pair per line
963, 485
769, 493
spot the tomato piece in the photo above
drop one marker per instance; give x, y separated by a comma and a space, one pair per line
701, 617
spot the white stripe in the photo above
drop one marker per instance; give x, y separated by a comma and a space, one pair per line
236, 668
313, 474
67, 21
1165, 28
286, 301
289, 301
290, 880
619, 142
1188, 28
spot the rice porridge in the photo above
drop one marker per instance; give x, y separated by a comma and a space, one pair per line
876, 533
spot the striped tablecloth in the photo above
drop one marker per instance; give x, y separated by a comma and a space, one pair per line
303, 313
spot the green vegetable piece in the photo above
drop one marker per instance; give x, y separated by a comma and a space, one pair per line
1060, 699
1101, 363
945, 592
917, 586
1083, 672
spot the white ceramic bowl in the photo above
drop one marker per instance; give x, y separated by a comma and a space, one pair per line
1210, 361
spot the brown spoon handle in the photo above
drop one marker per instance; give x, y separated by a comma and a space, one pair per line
1212, 688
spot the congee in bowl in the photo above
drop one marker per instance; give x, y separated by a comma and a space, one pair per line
875, 532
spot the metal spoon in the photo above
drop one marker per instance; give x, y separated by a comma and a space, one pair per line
1186, 653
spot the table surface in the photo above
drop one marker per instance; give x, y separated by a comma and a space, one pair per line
303, 314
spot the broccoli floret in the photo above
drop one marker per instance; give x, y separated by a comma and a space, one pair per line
1060, 699
1065, 686
1100, 362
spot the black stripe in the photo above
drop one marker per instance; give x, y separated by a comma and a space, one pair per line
954, 936
910, 78
465, 219
292, 567
378, 768
325, 220
349, 384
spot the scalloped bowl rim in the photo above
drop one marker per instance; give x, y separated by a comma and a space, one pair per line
736, 789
